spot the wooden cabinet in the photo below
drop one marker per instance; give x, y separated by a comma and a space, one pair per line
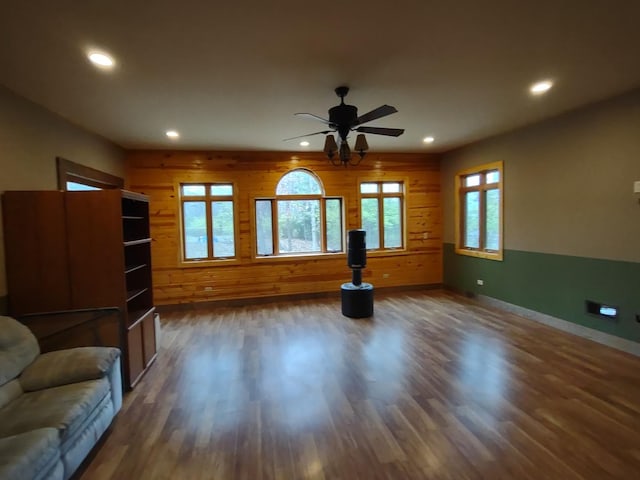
35, 237
139, 292
69, 250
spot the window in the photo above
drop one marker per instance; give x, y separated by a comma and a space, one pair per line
79, 187
479, 211
208, 221
381, 211
300, 219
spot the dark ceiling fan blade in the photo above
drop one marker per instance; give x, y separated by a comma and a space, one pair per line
308, 135
379, 112
391, 132
311, 116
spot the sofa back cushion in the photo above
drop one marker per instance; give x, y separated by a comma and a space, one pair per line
18, 348
72, 365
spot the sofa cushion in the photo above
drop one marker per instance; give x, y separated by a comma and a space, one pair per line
76, 447
18, 348
64, 408
68, 366
29, 455
9, 392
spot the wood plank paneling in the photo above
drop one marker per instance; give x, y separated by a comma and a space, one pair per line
255, 174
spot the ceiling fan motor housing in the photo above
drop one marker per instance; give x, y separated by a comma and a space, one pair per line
342, 117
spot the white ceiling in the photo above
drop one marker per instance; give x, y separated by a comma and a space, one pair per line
230, 75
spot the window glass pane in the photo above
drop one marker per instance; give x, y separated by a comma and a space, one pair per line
390, 188
492, 227
368, 188
223, 233
79, 187
193, 190
392, 222
371, 222
264, 227
333, 219
493, 177
472, 180
298, 226
195, 230
221, 189
472, 219
298, 182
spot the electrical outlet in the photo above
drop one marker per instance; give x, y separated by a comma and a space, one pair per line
636, 186
480, 282
425, 236
385, 275
208, 289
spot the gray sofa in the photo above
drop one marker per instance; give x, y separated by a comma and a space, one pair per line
55, 406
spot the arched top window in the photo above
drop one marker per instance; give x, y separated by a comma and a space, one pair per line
300, 219
299, 182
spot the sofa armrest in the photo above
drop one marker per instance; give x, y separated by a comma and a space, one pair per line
62, 367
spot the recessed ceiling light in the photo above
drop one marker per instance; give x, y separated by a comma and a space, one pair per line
304, 143
539, 88
172, 134
101, 59
428, 139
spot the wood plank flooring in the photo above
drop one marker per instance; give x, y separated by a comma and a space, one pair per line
434, 386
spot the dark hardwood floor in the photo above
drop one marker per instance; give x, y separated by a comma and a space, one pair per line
433, 387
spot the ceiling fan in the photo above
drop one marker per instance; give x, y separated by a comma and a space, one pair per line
344, 119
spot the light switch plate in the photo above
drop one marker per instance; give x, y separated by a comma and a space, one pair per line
636, 186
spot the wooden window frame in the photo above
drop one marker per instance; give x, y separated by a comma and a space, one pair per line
275, 232
208, 199
460, 191
322, 198
380, 195
68, 171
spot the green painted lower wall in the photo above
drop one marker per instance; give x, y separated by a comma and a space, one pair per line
557, 285
3, 306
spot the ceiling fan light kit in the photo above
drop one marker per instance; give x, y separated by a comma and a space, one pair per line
344, 152
344, 119
361, 144
330, 146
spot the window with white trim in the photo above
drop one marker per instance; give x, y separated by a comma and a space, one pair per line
300, 219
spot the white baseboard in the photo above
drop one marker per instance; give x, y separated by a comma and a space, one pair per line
564, 325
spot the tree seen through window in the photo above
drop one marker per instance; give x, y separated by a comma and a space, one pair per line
478, 211
381, 211
208, 221
300, 219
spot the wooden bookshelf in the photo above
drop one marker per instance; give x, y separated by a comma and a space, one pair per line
69, 250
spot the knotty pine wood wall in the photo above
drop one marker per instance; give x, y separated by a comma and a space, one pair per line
256, 174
